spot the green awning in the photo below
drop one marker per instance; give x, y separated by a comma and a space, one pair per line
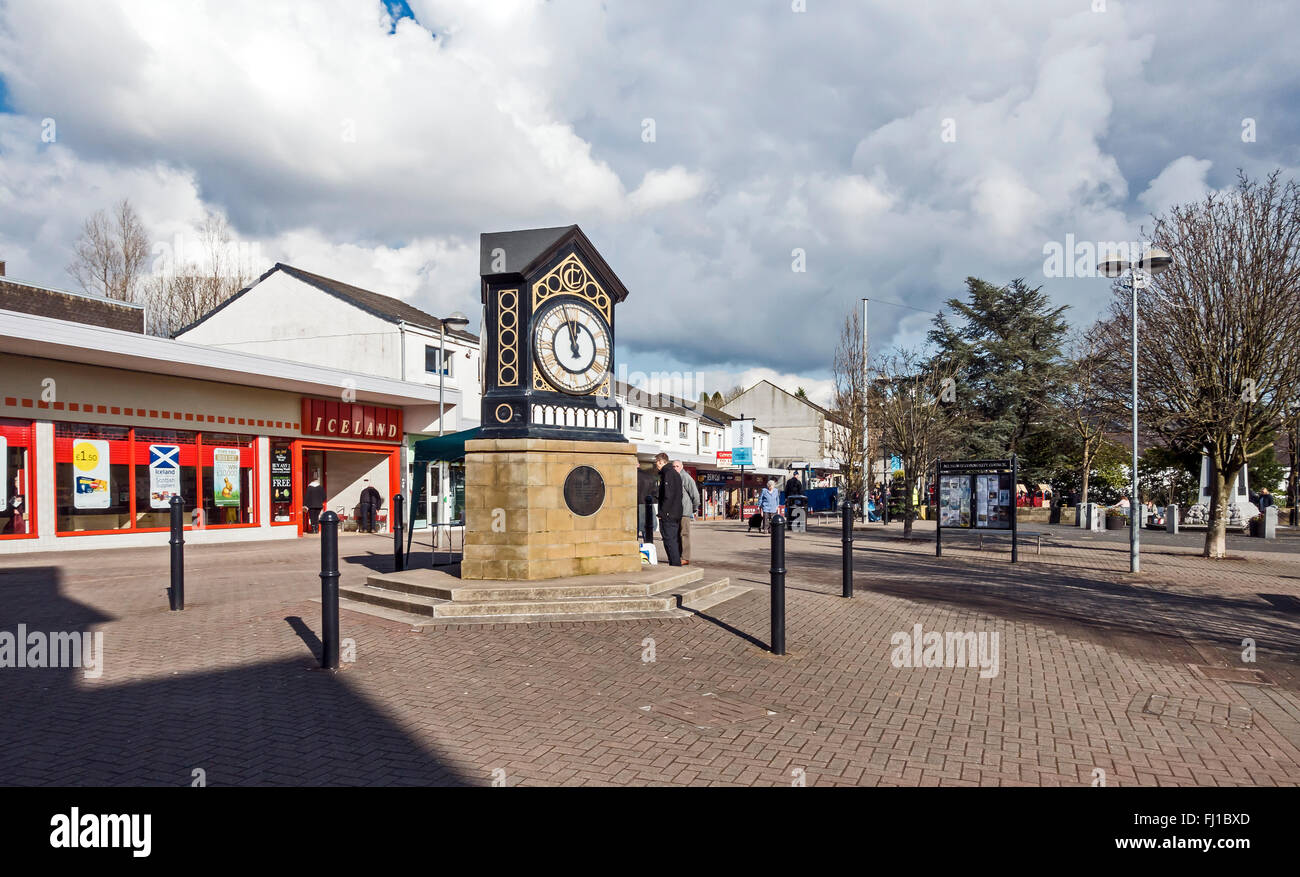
444, 448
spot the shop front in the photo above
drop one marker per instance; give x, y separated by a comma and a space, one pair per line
92, 452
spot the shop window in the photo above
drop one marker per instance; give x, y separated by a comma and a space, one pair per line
164, 465
17, 480
229, 489
92, 478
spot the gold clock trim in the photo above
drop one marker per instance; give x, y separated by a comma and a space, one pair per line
504, 418
508, 338
571, 277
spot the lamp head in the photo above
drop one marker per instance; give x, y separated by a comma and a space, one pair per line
1113, 266
1156, 261
455, 321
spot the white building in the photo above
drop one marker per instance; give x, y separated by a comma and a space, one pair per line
296, 315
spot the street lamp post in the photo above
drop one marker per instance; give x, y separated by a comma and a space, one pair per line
456, 320
1155, 261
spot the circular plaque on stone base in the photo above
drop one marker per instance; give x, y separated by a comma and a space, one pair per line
584, 491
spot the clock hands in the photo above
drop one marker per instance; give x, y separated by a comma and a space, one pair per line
573, 331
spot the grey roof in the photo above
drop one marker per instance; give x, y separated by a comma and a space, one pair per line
527, 249
92, 310
385, 307
520, 248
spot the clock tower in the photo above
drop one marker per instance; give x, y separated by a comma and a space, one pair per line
551, 481
548, 330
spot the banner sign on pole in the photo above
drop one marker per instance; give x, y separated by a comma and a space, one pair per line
225, 476
90, 474
164, 475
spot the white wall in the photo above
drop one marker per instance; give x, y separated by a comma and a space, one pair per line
288, 319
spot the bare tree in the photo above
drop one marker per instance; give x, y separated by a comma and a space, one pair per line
109, 256
914, 421
180, 292
845, 445
1217, 361
1084, 400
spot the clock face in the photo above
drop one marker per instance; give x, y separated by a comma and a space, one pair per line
573, 346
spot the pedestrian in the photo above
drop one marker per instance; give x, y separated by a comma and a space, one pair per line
793, 487
769, 503
1265, 499
670, 509
690, 506
314, 498
371, 503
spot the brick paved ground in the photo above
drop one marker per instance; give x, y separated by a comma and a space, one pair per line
1093, 674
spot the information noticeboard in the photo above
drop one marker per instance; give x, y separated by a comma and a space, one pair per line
976, 494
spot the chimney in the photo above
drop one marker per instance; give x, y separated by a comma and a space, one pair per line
2, 269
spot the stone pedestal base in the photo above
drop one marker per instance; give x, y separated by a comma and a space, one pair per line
518, 526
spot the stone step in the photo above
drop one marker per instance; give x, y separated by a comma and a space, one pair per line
416, 582
708, 601
699, 591
570, 606
415, 604
436, 622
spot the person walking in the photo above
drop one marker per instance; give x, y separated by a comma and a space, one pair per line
314, 499
670, 508
793, 487
690, 507
371, 503
1265, 498
769, 503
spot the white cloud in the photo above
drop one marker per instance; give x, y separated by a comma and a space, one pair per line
379, 157
1182, 180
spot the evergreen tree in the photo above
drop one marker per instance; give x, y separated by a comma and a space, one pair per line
1006, 349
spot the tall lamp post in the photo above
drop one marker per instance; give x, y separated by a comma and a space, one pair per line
1156, 261
456, 320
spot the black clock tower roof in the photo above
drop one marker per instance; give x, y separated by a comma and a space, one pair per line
527, 249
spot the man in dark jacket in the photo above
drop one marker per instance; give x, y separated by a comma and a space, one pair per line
314, 498
793, 487
371, 502
670, 509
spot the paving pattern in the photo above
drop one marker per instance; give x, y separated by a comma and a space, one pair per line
1094, 677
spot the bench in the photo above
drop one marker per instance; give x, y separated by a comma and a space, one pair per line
1021, 536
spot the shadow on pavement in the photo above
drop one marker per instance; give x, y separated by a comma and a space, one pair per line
279, 722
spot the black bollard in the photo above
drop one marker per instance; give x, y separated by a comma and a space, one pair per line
846, 540
778, 584
176, 593
399, 559
329, 590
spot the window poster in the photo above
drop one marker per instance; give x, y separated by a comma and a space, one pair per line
982, 500
225, 476
164, 475
4, 473
281, 475
90, 474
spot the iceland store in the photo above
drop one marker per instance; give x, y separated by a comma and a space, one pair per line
100, 427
